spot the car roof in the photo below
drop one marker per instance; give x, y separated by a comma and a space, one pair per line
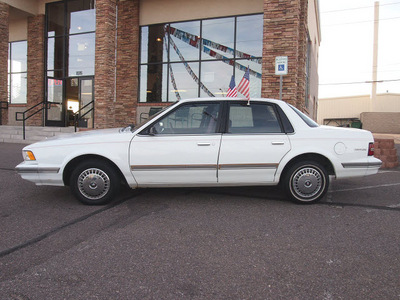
270, 100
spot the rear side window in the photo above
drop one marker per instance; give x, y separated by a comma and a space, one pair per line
253, 118
310, 122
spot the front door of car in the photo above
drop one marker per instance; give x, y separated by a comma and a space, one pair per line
253, 145
180, 148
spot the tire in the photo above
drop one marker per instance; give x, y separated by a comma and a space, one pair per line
94, 182
306, 182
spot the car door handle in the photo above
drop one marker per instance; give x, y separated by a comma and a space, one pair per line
278, 143
203, 144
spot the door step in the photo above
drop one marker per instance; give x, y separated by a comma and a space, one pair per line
14, 134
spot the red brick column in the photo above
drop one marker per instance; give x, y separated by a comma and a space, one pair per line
4, 13
284, 33
104, 83
127, 62
35, 81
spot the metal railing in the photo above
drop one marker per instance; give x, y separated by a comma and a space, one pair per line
78, 116
25, 117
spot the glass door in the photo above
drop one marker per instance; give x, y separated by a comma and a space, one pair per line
86, 112
55, 112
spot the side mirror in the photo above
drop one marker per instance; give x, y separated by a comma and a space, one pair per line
152, 130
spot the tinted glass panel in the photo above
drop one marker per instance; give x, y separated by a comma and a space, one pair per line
153, 48
55, 19
55, 49
182, 84
218, 38
184, 41
19, 52
153, 83
18, 88
81, 54
190, 119
253, 118
249, 35
81, 16
215, 75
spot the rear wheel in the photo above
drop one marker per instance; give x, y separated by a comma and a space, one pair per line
306, 182
94, 182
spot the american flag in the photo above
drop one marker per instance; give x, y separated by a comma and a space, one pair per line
232, 91
244, 85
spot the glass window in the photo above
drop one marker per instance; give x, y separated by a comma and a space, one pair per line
17, 72
81, 16
55, 19
218, 37
81, 54
190, 119
55, 53
184, 41
253, 118
198, 58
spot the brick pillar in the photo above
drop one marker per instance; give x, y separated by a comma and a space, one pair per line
4, 13
284, 31
104, 83
127, 62
35, 81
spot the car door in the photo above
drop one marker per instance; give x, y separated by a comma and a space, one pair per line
253, 145
180, 148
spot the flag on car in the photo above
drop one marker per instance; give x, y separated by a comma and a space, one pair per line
232, 91
244, 85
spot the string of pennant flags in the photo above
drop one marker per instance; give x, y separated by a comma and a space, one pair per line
193, 40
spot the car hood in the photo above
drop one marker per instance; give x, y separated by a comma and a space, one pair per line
84, 137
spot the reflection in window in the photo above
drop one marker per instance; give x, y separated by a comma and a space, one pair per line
17, 72
190, 119
256, 118
199, 57
81, 54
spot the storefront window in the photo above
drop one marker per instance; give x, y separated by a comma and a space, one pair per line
17, 72
197, 58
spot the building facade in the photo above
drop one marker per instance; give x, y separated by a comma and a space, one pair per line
111, 61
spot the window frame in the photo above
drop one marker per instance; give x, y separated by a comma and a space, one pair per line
198, 61
10, 72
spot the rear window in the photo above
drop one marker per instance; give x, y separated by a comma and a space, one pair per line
310, 122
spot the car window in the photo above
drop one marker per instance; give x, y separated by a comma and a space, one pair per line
310, 122
191, 118
253, 118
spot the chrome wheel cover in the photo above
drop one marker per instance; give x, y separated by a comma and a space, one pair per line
93, 183
307, 182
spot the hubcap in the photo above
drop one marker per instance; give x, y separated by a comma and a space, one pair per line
93, 183
307, 182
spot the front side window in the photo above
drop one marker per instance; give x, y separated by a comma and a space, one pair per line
253, 118
197, 58
17, 72
190, 119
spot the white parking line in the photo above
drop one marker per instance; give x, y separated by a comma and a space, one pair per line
365, 187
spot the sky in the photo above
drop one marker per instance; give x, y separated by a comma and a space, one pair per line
346, 49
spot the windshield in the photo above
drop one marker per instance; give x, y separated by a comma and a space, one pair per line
310, 122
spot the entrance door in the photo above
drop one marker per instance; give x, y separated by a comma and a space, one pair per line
68, 97
55, 111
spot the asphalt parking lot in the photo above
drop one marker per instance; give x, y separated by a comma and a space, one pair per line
219, 243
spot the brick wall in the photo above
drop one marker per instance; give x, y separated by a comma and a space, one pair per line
385, 150
127, 62
105, 63
35, 81
4, 12
381, 122
285, 35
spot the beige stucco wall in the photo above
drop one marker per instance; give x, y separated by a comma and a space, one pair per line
381, 122
352, 107
159, 11
18, 30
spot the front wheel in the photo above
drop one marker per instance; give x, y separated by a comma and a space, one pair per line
94, 182
306, 182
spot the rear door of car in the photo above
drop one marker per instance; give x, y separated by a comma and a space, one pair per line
253, 145
180, 148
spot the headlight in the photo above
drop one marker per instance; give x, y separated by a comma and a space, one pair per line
28, 155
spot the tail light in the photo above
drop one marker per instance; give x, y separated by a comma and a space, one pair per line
371, 149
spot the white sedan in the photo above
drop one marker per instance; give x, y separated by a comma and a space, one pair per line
205, 142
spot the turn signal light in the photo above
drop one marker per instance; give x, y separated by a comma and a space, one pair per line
371, 149
28, 155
